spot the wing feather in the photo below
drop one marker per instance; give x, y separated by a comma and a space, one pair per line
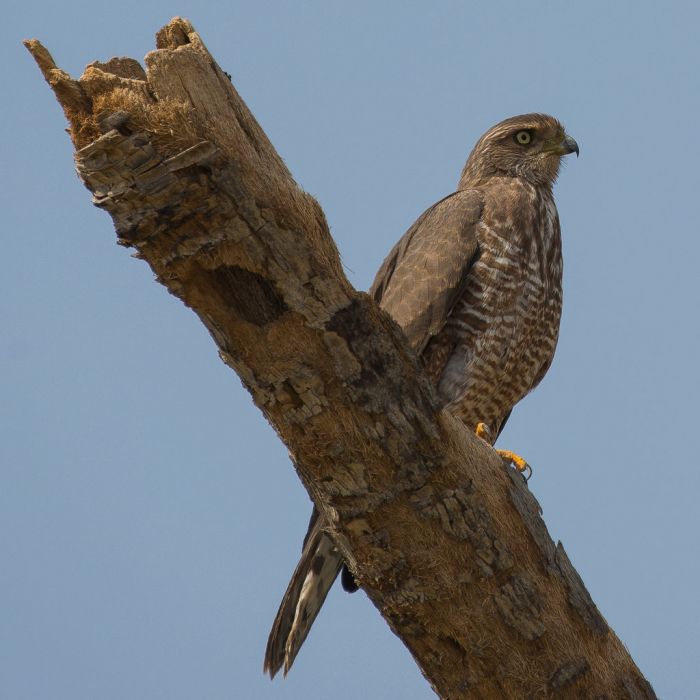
425, 273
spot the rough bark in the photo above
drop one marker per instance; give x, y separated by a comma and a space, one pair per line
446, 540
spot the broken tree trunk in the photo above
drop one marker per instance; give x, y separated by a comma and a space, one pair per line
445, 539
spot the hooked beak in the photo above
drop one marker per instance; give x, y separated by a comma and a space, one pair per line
569, 145
561, 148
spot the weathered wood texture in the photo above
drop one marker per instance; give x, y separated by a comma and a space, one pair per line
445, 539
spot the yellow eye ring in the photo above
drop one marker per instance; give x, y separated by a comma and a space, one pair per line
523, 138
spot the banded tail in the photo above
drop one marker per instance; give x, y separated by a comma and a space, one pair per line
312, 579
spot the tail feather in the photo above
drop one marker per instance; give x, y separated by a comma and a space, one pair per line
313, 577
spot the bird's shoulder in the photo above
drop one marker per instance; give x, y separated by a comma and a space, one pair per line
441, 230
424, 273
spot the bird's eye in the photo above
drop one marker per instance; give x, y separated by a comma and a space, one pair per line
523, 138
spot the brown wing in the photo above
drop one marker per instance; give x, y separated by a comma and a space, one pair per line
425, 273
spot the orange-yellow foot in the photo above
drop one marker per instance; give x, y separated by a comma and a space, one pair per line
483, 432
518, 462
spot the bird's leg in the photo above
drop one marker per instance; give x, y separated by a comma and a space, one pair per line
482, 431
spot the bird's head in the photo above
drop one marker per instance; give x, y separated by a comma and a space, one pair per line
529, 146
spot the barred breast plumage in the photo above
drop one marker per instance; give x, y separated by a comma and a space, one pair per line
503, 329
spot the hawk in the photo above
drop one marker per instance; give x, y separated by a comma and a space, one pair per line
475, 284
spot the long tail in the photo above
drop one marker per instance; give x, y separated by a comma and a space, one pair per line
312, 579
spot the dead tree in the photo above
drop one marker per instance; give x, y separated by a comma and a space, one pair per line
445, 539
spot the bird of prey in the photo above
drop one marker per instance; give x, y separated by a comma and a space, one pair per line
475, 284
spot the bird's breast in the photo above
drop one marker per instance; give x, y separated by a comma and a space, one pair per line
504, 328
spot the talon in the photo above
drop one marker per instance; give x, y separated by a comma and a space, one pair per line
518, 462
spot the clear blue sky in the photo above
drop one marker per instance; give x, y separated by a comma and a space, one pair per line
150, 518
